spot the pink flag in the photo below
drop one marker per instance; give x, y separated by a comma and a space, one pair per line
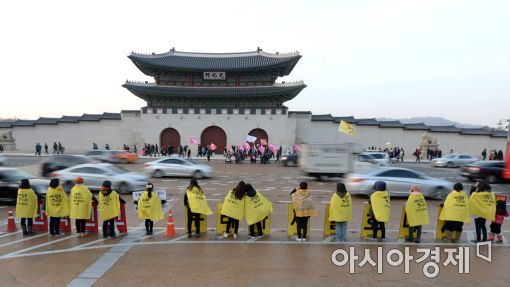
213, 146
273, 148
246, 145
296, 148
262, 149
193, 141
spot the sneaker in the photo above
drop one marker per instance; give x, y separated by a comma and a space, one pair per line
298, 239
475, 241
197, 235
417, 241
189, 235
251, 237
303, 240
225, 234
235, 235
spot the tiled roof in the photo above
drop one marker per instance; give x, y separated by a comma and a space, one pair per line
63, 119
47, 121
445, 129
69, 119
350, 120
24, 123
499, 133
322, 118
390, 124
476, 131
6, 124
416, 126
185, 61
367, 122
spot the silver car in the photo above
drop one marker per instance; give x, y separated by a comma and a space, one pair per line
454, 160
398, 182
177, 167
381, 158
93, 175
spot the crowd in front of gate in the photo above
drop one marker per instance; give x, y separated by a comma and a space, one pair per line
243, 201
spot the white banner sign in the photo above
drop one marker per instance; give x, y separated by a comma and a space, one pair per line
251, 139
215, 76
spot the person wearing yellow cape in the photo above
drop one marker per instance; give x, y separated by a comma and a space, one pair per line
81, 205
340, 211
380, 207
109, 208
455, 212
26, 206
150, 208
417, 213
257, 208
196, 204
482, 203
57, 205
303, 207
233, 208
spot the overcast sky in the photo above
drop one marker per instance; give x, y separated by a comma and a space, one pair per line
394, 59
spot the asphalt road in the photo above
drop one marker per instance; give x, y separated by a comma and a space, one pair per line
139, 260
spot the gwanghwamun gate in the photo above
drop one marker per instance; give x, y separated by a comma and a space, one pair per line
222, 98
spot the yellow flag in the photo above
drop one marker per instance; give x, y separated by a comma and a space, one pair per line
81, 202
416, 210
198, 202
150, 208
346, 128
257, 208
340, 209
483, 204
381, 205
233, 207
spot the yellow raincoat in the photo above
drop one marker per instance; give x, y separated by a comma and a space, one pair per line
233, 207
380, 201
340, 208
57, 203
26, 204
483, 204
302, 203
197, 201
416, 210
456, 207
109, 205
150, 208
80, 202
257, 208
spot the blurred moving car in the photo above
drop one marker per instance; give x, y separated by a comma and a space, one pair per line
380, 157
93, 175
113, 156
58, 162
398, 181
10, 179
491, 171
177, 167
3, 159
454, 160
290, 160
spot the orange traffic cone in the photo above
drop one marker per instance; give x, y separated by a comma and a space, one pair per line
11, 225
170, 229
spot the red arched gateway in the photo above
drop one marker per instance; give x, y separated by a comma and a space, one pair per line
215, 135
170, 136
260, 134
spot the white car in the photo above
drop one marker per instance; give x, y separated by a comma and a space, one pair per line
93, 175
169, 166
454, 160
381, 158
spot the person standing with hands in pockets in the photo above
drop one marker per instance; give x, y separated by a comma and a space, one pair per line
340, 211
57, 205
81, 205
109, 208
417, 213
26, 207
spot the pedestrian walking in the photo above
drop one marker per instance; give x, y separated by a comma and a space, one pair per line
55, 148
26, 207
196, 204
150, 208
38, 149
484, 154
303, 206
46, 149
340, 211
57, 205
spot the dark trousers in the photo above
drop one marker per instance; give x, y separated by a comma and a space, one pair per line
80, 225
193, 217
412, 230
54, 225
495, 228
232, 222
480, 229
24, 221
109, 227
376, 226
149, 224
302, 224
259, 229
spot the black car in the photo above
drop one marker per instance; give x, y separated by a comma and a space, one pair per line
58, 162
491, 171
10, 179
291, 159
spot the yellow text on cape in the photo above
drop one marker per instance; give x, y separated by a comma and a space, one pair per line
150, 208
198, 202
380, 201
483, 204
80, 202
340, 209
456, 207
26, 203
233, 207
257, 208
109, 205
57, 203
416, 210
